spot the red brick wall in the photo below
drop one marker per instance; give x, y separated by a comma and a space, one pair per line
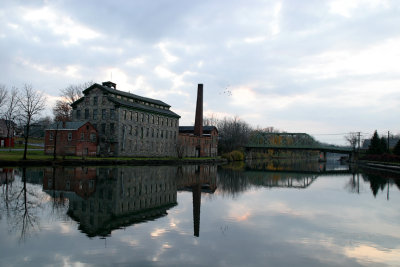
76, 146
195, 146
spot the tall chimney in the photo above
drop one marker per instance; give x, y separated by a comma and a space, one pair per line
198, 123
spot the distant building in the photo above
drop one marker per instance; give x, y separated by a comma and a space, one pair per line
7, 133
198, 140
71, 138
128, 124
195, 146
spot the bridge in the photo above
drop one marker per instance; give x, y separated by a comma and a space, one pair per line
262, 141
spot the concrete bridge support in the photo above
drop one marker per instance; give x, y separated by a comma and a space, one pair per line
322, 156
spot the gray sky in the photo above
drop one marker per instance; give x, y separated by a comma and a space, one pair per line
321, 67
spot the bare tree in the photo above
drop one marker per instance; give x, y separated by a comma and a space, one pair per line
73, 92
210, 121
234, 134
11, 113
30, 103
3, 95
62, 111
352, 139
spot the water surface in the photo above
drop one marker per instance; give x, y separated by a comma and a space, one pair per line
255, 214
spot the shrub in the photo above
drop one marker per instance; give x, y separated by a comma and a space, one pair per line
234, 156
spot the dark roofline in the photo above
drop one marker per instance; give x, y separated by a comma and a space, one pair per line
70, 125
207, 128
141, 107
123, 93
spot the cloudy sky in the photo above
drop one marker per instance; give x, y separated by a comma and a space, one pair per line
321, 67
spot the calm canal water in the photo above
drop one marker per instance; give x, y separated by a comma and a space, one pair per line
254, 214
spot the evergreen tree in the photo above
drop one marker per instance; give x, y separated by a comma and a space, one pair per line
383, 147
375, 147
396, 149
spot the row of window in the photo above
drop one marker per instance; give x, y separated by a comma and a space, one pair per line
95, 114
128, 115
92, 137
137, 131
143, 117
135, 146
148, 132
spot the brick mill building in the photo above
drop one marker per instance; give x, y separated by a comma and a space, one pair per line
128, 124
198, 140
71, 138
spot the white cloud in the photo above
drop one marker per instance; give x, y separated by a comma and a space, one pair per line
59, 24
345, 8
282, 62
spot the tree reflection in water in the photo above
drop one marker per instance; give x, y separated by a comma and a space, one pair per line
22, 202
102, 199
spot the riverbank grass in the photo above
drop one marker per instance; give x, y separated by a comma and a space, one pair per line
39, 155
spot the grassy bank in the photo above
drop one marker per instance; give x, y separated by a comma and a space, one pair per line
36, 157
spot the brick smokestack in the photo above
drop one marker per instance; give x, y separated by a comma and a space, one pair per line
198, 123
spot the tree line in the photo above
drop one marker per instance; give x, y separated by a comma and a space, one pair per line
234, 133
379, 145
22, 106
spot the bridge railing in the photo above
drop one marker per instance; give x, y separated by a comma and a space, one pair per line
290, 141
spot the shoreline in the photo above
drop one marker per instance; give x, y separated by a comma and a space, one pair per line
379, 165
105, 162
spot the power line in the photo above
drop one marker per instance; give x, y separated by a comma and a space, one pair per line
330, 134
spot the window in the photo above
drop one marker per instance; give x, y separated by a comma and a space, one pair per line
82, 136
103, 128
69, 136
94, 126
78, 114
86, 114
130, 115
51, 136
95, 100
93, 137
130, 129
125, 114
103, 114
95, 114
111, 128
112, 114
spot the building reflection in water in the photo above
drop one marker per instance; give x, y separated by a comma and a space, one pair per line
197, 179
104, 199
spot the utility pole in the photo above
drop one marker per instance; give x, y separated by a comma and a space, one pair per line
388, 141
359, 141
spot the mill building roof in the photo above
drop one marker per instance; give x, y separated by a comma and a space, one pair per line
69, 125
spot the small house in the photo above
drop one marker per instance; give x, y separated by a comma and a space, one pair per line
7, 129
71, 138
